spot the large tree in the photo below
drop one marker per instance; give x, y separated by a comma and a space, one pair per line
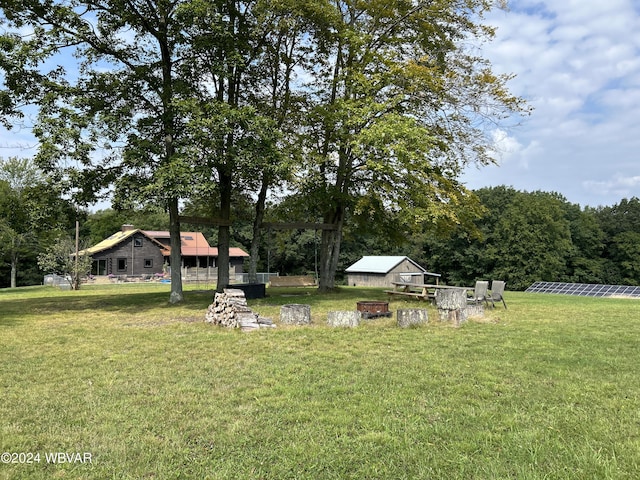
531, 240
111, 118
386, 99
31, 214
621, 226
171, 98
398, 105
244, 53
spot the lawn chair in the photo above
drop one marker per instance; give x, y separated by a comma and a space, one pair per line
497, 293
479, 293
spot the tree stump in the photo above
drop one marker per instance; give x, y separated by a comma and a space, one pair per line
412, 316
295, 314
452, 305
350, 318
475, 310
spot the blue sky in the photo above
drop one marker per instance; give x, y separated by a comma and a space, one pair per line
578, 64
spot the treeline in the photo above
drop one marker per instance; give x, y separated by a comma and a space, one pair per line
539, 236
521, 237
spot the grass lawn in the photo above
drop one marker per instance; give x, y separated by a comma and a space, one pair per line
549, 388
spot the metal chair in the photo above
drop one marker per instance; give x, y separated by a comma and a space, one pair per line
479, 293
497, 293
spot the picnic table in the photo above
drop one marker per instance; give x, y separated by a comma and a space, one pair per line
421, 291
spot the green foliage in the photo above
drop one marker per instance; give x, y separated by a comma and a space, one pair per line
531, 241
60, 258
31, 215
621, 226
383, 122
104, 223
528, 237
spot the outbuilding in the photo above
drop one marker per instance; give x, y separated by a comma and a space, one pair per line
382, 271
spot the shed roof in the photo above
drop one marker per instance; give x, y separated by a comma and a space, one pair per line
379, 264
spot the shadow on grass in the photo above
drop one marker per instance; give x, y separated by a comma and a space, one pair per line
15, 310
18, 306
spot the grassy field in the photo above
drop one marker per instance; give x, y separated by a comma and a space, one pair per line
548, 389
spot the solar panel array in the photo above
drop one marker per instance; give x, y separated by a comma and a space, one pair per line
585, 289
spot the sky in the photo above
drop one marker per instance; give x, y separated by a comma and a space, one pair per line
577, 63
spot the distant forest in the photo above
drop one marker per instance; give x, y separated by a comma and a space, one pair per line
520, 237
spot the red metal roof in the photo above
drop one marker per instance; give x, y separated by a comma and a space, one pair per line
194, 244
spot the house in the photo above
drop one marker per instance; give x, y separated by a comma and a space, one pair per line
135, 252
381, 271
196, 251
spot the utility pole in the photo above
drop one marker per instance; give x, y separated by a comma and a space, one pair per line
76, 280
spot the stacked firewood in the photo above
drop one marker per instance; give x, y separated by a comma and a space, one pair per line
230, 309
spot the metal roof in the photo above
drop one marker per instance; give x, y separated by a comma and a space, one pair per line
195, 244
115, 239
192, 244
379, 264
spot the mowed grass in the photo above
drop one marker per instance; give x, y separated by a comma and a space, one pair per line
549, 388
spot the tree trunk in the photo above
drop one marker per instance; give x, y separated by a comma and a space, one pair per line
330, 250
224, 231
176, 253
14, 271
257, 232
295, 314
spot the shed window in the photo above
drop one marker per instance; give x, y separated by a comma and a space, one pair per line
148, 263
137, 242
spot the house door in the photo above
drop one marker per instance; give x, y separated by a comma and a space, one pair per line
99, 267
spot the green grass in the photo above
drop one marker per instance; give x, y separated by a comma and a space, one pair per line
549, 388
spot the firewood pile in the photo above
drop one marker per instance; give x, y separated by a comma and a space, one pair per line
229, 309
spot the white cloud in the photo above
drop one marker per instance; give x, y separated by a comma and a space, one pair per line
618, 185
508, 150
578, 64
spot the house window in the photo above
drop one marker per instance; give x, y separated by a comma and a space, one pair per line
122, 264
137, 242
148, 263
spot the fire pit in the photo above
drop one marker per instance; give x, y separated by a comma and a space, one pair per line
373, 309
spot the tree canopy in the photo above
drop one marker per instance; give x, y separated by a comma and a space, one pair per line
369, 109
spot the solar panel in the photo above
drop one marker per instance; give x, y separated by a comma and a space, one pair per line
585, 289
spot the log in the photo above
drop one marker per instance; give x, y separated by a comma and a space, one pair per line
457, 316
230, 309
348, 318
295, 314
412, 317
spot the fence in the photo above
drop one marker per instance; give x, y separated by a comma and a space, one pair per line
210, 275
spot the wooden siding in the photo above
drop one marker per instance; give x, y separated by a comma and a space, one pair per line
363, 279
148, 252
137, 251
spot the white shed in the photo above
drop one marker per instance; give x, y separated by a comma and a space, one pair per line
380, 271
